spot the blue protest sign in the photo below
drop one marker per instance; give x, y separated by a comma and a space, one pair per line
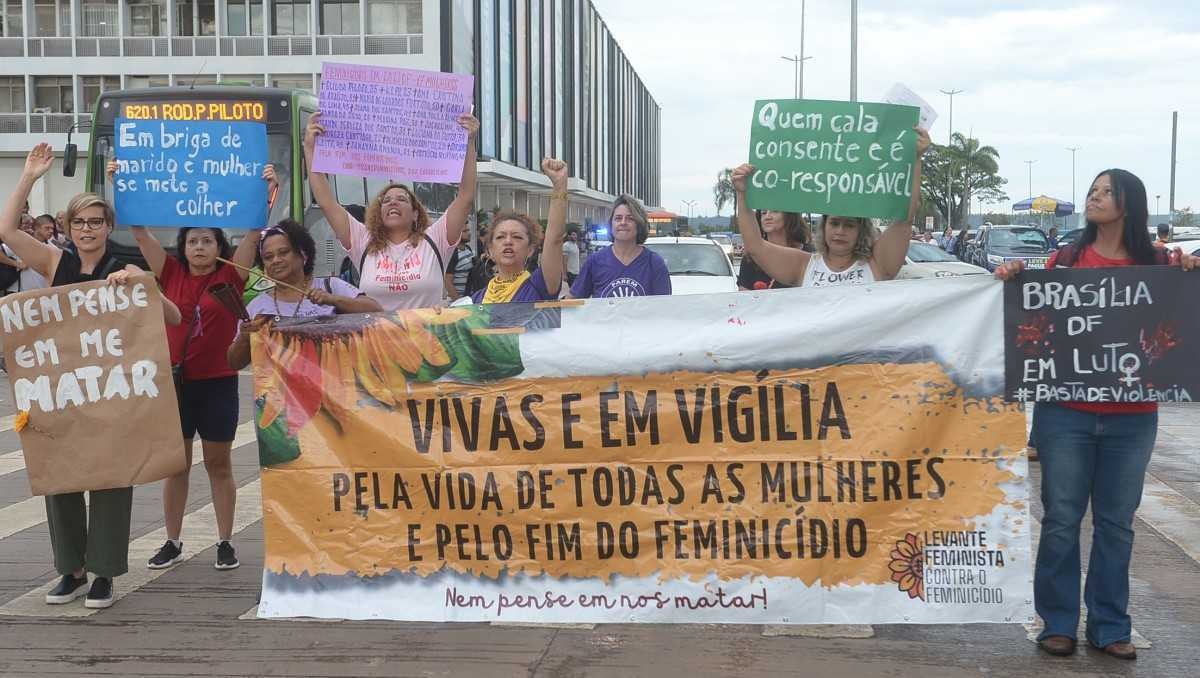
177, 173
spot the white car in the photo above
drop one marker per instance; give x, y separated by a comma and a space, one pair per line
927, 260
697, 265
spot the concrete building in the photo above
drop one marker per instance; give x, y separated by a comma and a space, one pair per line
550, 78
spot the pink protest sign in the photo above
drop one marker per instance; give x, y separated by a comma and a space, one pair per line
395, 123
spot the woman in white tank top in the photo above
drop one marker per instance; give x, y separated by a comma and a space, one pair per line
848, 253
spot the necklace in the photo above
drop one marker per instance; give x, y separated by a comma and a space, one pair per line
299, 304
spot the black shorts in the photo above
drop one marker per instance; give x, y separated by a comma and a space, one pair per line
209, 407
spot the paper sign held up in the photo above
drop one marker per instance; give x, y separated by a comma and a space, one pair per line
90, 371
832, 157
179, 174
395, 123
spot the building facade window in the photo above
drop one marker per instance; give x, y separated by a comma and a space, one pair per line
247, 80
339, 17
12, 94
12, 24
395, 17
506, 82
147, 18
146, 81
52, 18
244, 17
290, 17
53, 94
99, 19
487, 75
196, 18
301, 81
92, 86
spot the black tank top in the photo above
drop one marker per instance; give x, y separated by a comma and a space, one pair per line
69, 265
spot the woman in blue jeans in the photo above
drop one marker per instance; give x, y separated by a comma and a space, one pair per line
1094, 452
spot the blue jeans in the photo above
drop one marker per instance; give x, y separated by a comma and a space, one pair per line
1100, 458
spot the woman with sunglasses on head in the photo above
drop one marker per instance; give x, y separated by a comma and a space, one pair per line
1094, 452
401, 256
287, 254
848, 252
208, 394
91, 536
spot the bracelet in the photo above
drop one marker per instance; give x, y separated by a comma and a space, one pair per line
558, 195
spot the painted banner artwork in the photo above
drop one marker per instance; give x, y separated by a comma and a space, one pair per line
194, 173
709, 459
832, 157
79, 358
1102, 335
395, 123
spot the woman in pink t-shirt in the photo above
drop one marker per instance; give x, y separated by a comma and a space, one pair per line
400, 256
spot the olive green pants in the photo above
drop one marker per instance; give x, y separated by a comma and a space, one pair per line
91, 537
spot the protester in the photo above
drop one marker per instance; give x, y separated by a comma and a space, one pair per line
1164, 236
29, 278
512, 242
288, 253
92, 536
462, 260
571, 255
1052, 237
946, 239
1093, 452
958, 244
400, 255
786, 229
626, 268
848, 253
208, 387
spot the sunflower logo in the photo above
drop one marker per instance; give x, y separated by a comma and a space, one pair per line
908, 566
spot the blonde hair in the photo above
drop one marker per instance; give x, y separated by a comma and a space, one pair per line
864, 245
532, 228
377, 233
83, 201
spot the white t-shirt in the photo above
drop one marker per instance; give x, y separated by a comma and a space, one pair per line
265, 303
818, 274
572, 251
402, 276
29, 280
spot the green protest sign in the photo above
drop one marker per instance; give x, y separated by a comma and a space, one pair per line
832, 157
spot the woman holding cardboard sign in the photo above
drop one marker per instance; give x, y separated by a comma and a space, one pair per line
94, 536
1094, 452
848, 253
208, 396
400, 255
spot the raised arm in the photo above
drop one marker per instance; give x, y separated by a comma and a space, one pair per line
338, 217
41, 257
556, 225
785, 264
460, 209
892, 246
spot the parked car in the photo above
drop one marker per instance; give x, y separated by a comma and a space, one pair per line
724, 240
1188, 242
696, 265
927, 260
966, 249
1069, 237
998, 244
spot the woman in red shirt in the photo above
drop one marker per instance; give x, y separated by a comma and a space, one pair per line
1095, 452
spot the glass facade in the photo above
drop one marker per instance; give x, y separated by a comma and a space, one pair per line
554, 82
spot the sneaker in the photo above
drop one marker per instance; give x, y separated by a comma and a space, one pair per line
226, 556
69, 588
167, 556
101, 594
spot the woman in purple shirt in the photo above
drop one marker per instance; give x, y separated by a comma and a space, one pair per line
514, 238
626, 269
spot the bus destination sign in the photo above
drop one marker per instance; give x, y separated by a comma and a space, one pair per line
233, 111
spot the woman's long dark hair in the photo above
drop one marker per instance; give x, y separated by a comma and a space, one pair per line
223, 248
1129, 194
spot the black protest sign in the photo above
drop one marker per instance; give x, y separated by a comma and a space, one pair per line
1126, 334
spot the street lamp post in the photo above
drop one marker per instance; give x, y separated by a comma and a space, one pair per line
949, 141
689, 204
1157, 206
1072, 149
1029, 163
853, 50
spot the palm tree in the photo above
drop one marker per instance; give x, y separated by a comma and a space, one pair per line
723, 189
972, 169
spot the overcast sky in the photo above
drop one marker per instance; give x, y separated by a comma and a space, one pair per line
1038, 77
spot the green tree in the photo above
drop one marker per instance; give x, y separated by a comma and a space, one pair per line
972, 170
723, 190
1183, 218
